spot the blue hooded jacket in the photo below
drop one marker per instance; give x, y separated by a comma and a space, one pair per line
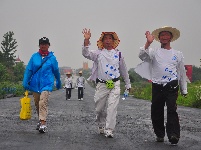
43, 79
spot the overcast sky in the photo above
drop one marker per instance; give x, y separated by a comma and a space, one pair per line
62, 22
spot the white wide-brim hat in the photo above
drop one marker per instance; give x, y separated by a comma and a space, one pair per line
116, 40
175, 33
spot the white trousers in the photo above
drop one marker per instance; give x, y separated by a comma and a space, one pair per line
106, 116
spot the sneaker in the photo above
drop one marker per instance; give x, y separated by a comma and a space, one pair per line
43, 129
109, 133
101, 130
81, 99
159, 139
174, 140
68, 99
38, 125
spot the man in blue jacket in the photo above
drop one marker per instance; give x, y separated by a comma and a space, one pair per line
39, 78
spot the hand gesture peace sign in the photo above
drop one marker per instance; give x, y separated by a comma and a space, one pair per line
87, 34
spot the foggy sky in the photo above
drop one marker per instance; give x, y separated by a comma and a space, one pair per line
62, 22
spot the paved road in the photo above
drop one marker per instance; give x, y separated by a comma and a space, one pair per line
71, 126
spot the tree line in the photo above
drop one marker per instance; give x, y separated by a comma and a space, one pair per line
11, 73
9, 70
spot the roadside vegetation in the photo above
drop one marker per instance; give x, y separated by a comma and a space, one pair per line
11, 71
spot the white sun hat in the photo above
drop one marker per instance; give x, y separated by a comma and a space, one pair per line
175, 33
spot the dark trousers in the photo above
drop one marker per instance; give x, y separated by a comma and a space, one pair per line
68, 93
160, 95
80, 92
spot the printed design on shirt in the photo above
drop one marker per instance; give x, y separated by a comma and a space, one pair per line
80, 81
174, 57
110, 70
170, 72
116, 56
68, 82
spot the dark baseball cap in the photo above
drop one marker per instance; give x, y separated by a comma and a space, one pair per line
44, 40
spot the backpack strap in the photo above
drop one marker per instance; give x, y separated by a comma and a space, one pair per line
119, 56
38, 69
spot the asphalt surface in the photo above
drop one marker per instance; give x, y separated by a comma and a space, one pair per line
71, 126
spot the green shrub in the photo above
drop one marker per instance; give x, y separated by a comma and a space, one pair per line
6, 88
11, 88
2, 91
197, 95
193, 98
19, 90
141, 90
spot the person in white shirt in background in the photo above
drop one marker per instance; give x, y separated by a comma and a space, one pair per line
108, 65
165, 68
80, 85
68, 81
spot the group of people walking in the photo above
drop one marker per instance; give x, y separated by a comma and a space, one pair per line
80, 84
164, 66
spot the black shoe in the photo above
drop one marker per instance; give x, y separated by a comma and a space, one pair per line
159, 139
174, 140
43, 129
38, 125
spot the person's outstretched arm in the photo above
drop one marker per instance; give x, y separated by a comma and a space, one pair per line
145, 52
89, 54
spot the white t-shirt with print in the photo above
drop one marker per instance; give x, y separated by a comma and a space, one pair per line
164, 65
68, 82
80, 81
108, 64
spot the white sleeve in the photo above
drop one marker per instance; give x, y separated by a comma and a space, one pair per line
65, 82
182, 75
146, 54
89, 54
124, 72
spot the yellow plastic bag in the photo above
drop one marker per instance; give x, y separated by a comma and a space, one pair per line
25, 112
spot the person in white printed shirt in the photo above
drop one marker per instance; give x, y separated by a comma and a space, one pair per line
108, 65
80, 85
165, 67
68, 81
